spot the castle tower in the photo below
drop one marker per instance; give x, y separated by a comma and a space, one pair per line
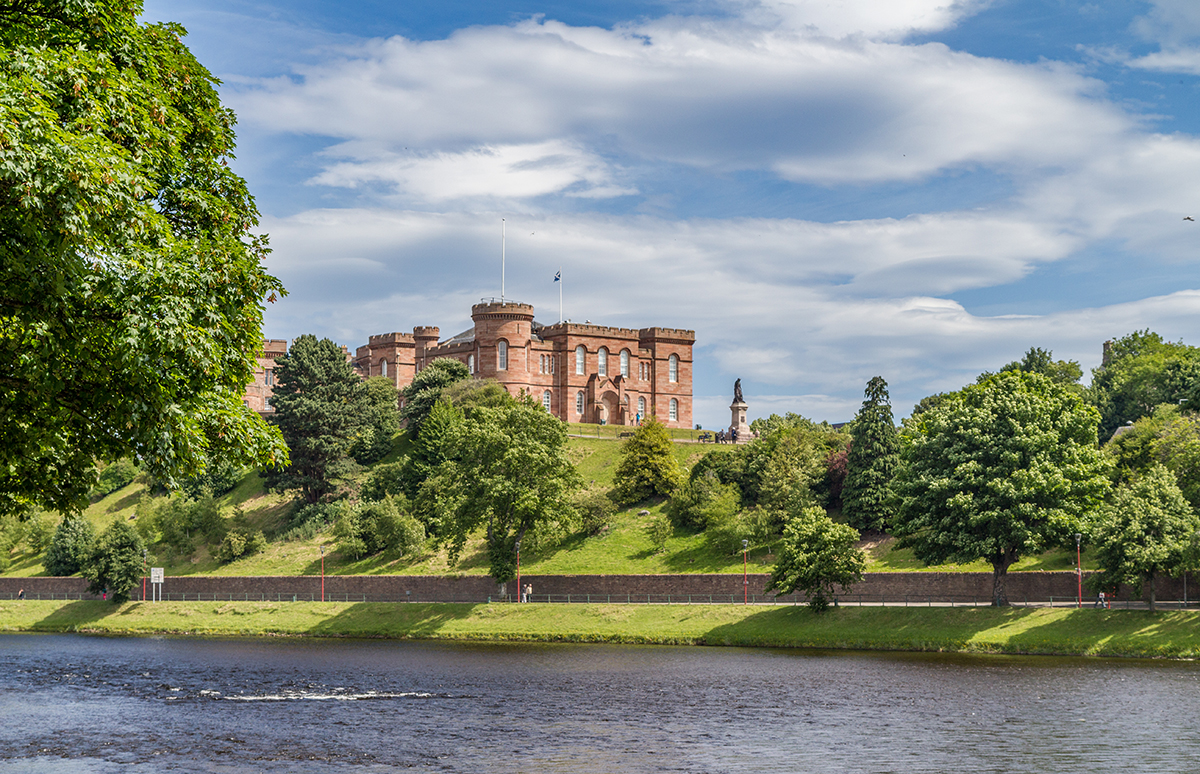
503, 332
426, 338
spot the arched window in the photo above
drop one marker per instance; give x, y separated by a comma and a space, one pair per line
580, 360
546, 400
602, 362
673, 368
579, 402
625, 363
471, 363
501, 355
383, 368
674, 411
642, 407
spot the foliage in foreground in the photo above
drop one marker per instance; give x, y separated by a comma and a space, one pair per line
131, 283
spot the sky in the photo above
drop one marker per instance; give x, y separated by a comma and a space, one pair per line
824, 190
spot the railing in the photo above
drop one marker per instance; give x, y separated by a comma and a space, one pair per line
842, 600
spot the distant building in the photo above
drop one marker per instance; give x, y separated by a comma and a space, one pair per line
579, 372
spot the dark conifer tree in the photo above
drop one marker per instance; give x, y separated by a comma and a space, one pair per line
871, 463
321, 406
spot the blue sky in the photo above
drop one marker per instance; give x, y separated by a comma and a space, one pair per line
825, 190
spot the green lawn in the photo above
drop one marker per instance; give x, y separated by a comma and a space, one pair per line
990, 630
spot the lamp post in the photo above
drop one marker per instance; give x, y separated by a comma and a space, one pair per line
745, 574
322, 572
1078, 571
518, 546
144, 576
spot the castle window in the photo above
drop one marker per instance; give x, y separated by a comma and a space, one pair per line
383, 368
501, 355
602, 365
674, 411
642, 407
625, 363
267, 404
471, 363
579, 402
673, 368
546, 400
580, 361
269, 377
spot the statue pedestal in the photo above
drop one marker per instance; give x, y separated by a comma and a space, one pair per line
738, 422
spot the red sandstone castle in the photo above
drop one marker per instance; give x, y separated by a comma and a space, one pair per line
580, 373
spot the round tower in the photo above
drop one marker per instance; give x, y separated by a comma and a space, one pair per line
502, 334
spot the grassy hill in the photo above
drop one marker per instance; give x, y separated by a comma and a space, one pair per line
623, 549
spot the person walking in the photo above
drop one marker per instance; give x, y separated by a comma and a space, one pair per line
21, 594
1100, 600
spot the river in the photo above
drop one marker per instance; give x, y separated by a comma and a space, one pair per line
78, 704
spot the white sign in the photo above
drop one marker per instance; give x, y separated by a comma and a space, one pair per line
156, 575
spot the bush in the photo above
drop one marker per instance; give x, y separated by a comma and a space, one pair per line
658, 529
39, 531
115, 562
239, 543
179, 521
703, 501
117, 475
384, 525
220, 477
816, 557
384, 480
596, 510
70, 547
647, 466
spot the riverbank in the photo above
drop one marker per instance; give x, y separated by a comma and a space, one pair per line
1091, 632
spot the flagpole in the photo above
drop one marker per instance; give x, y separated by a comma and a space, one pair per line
502, 234
560, 284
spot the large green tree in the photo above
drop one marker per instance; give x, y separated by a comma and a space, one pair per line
321, 406
647, 466
70, 547
375, 441
816, 556
1147, 530
1041, 361
506, 471
116, 563
131, 282
997, 471
871, 463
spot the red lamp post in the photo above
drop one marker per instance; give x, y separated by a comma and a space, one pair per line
143, 575
745, 574
322, 573
1078, 571
518, 570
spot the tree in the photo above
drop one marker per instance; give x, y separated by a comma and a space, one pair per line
375, 441
115, 564
998, 470
1140, 372
321, 406
872, 459
816, 556
1041, 361
647, 466
506, 470
426, 387
131, 283
70, 547
1148, 530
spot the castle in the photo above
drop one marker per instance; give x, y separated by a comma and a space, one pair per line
579, 372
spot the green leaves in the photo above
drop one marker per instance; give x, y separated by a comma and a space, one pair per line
647, 466
871, 462
998, 470
816, 556
130, 285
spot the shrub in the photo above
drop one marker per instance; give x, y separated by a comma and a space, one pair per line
384, 525
39, 531
239, 543
647, 466
596, 510
384, 480
70, 547
702, 502
218, 478
117, 475
115, 562
658, 529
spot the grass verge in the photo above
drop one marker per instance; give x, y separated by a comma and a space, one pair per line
968, 630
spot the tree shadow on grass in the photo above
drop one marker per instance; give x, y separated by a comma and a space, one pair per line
77, 615
392, 619
128, 501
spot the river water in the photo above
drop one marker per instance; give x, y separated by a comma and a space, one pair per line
77, 704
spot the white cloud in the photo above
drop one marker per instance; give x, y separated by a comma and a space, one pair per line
682, 92
503, 172
889, 19
1175, 26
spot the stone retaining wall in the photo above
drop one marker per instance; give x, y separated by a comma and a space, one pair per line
895, 586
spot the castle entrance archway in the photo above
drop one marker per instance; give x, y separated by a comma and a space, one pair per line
607, 408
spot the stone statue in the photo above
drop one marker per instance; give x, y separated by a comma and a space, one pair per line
737, 392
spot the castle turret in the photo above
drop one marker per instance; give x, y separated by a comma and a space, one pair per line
426, 337
503, 331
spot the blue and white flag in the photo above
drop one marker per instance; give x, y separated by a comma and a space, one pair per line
558, 276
